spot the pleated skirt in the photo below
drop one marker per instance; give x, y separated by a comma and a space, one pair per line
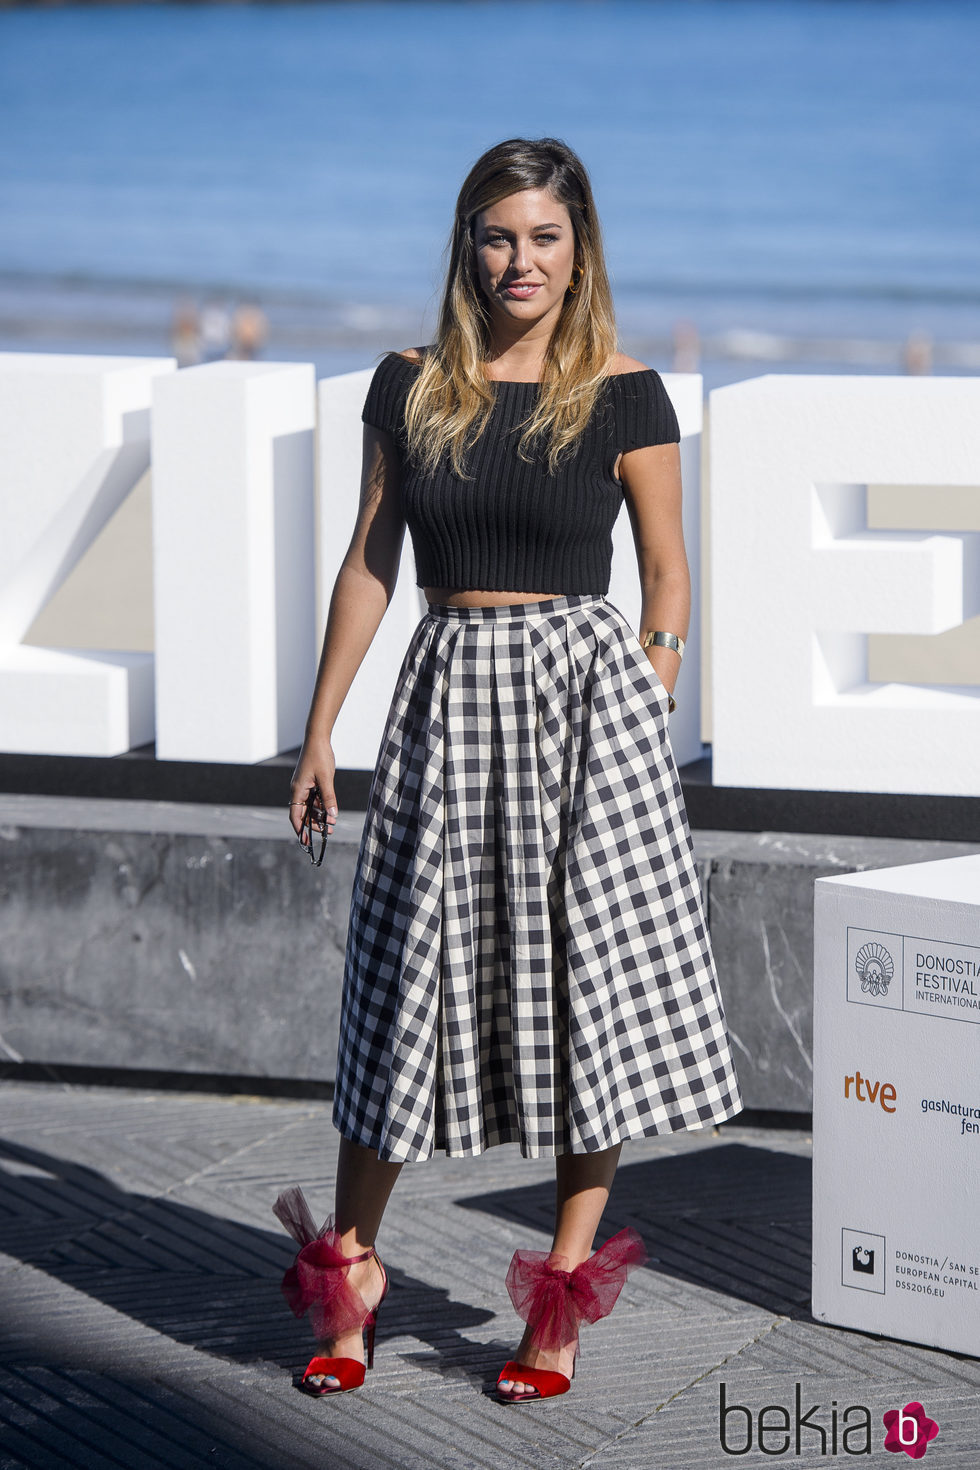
527, 957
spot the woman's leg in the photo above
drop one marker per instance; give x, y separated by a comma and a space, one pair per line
583, 1182
364, 1184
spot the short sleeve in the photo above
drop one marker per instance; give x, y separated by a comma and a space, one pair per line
644, 412
384, 406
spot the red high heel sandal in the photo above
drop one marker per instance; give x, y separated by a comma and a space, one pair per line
317, 1282
553, 1301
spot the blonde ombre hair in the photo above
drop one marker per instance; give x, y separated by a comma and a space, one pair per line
449, 404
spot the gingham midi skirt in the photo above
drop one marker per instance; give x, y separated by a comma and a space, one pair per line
527, 956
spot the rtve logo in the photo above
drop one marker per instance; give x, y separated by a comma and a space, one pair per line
864, 1090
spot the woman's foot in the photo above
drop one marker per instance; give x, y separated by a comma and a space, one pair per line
562, 1362
368, 1280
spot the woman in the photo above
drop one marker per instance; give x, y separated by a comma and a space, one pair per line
527, 956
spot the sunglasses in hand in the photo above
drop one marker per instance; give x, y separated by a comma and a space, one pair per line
313, 833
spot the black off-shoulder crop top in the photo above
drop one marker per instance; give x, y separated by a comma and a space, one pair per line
514, 527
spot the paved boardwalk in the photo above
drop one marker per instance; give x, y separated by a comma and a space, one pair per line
143, 1324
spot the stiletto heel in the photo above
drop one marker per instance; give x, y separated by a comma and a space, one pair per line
554, 1301
317, 1282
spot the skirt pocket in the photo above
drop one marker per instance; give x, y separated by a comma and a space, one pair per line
636, 656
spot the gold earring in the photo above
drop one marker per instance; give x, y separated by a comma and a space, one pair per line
574, 284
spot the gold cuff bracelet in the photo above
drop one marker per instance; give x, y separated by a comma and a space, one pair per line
665, 640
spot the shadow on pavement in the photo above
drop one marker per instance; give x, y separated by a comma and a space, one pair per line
206, 1282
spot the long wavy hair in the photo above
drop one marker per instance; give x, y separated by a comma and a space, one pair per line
450, 402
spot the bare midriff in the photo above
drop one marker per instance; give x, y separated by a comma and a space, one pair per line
449, 595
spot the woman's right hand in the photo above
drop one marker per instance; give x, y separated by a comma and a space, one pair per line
316, 767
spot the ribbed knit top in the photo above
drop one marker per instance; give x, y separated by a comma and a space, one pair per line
514, 527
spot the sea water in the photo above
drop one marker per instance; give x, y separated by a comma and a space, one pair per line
802, 168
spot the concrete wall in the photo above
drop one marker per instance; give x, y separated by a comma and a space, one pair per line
200, 939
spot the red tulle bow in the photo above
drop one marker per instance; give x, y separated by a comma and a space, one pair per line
317, 1280
554, 1301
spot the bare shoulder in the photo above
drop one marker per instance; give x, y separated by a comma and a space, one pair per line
620, 364
413, 354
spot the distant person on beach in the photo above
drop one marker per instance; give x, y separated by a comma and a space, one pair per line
917, 353
215, 331
687, 347
185, 335
527, 957
249, 329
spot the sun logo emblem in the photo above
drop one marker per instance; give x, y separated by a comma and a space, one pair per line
875, 966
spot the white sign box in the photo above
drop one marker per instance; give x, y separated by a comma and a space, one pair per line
896, 1102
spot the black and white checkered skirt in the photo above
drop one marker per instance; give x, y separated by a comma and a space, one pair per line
527, 957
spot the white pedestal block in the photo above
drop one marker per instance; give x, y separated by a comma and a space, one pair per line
358, 728
233, 538
896, 1102
75, 438
686, 394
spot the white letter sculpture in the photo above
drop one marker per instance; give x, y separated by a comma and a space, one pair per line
358, 728
686, 393
75, 439
233, 548
798, 581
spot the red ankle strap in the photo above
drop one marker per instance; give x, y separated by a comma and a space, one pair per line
364, 1256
